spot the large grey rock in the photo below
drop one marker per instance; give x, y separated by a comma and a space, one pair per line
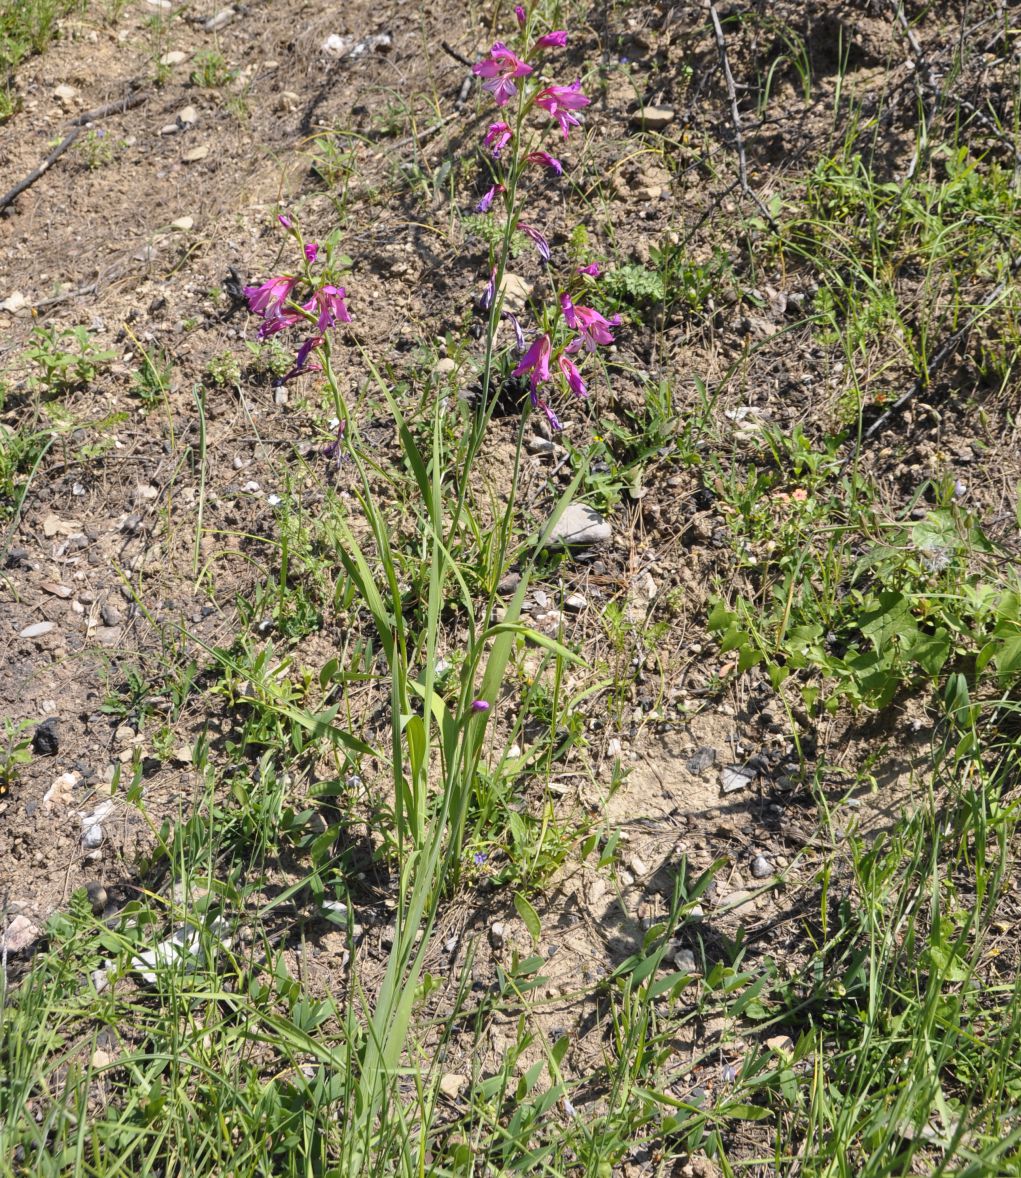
579, 525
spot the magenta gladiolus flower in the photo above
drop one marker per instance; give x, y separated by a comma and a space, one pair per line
285, 221
489, 293
497, 138
593, 328
567, 307
560, 102
480, 705
279, 322
541, 244
486, 202
311, 252
268, 299
593, 269
572, 376
555, 40
498, 70
328, 303
522, 16
301, 363
535, 362
519, 335
545, 160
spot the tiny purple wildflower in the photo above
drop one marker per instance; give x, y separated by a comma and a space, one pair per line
311, 252
572, 376
555, 40
499, 70
560, 102
545, 160
522, 16
541, 244
486, 202
593, 269
535, 362
285, 221
497, 138
480, 705
479, 858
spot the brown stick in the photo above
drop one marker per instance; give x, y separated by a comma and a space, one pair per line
136, 98
735, 118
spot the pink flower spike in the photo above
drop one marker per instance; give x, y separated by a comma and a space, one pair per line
555, 40
545, 160
593, 269
497, 138
498, 70
593, 328
541, 244
535, 362
522, 16
268, 299
486, 202
311, 252
560, 102
567, 309
572, 376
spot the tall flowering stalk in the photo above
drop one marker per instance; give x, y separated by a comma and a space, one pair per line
531, 111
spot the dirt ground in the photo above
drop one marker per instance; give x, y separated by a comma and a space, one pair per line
145, 247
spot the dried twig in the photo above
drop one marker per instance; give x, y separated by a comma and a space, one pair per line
448, 48
135, 98
735, 118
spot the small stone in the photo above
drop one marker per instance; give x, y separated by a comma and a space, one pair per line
100, 979
614, 747
496, 934
575, 602
784, 1044
56, 589
579, 525
174, 57
196, 154
45, 739
653, 118
737, 899
61, 792
183, 754
21, 932
100, 1059
16, 304
36, 630
639, 866
187, 116
92, 837
110, 614
169, 129
626, 879
124, 734
220, 20
761, 867
536, 445
108, 635
508, 583
515, 290
65, 94
684, 960
701, 759
97, 897
451, 1084
183, 224
280, 396
444, 366
735, 777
